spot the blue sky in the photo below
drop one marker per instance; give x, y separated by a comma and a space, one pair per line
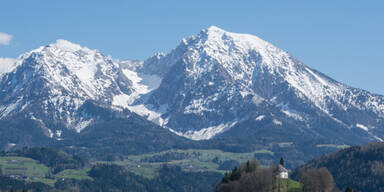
341, 38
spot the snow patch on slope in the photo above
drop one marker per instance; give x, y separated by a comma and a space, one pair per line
141, 84
82, 125
290, 112
259, 118
48, 132
206, 133
363, 127
7, 109
121, 100
58, 133
197, 106
150, 113
277, 122
378, 138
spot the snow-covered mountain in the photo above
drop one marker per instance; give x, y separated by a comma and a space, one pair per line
216, 79
50, 84
215, 84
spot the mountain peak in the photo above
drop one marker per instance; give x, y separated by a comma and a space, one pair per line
223, 68
213, 28
59, 48
67, 45
211, 32
219, 39
66, 75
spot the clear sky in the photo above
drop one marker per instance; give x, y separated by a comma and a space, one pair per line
342, 38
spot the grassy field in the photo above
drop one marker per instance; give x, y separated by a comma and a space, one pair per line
288, 185
20, 166
293, 186
30, 170
333, 146
197, 160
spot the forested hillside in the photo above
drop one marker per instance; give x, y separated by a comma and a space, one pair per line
360, 168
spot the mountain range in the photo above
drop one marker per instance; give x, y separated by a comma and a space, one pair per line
215, 88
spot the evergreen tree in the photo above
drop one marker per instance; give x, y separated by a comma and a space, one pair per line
348, 189
248, 168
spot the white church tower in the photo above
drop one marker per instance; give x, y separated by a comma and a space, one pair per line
282, 171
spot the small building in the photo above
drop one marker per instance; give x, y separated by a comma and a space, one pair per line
282, 172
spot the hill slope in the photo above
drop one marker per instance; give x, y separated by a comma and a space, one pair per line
361, 168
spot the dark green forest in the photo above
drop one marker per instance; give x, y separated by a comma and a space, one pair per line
360, 168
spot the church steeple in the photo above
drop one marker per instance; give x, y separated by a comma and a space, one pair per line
282, 161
